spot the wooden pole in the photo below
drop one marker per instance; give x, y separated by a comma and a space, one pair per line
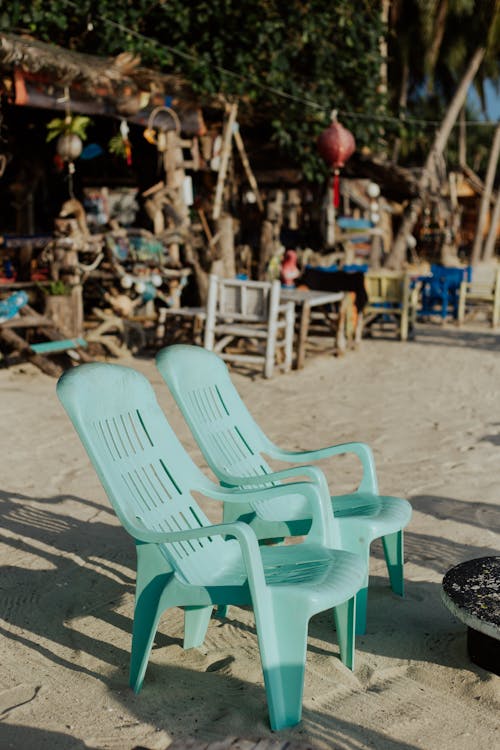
246, 165
18, 344
462, 139
224, 159
489, 246
485, 199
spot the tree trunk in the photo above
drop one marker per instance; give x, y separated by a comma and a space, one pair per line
402, 102
462, 139
489, 247
398, 254
485, 198
225, 265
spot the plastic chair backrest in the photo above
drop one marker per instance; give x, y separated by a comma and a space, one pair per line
143, 467
451, 277
229, 437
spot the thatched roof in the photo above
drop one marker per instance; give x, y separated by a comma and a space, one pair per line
117, 86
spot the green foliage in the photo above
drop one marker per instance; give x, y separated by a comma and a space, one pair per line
69, 125
55, 288
117, 146
320, 55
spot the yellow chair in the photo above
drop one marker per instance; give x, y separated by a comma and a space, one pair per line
392, 298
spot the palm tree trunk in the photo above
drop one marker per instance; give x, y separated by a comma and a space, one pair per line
397, 256
489, 247
486, 198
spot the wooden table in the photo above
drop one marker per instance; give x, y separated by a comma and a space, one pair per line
305, 300
471, 591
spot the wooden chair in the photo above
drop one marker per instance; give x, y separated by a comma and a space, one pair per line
481, 292
240, 309
391, 296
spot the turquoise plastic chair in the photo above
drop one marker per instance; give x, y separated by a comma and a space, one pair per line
234, 446
185, 561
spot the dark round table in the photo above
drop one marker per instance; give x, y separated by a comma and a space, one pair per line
471, 591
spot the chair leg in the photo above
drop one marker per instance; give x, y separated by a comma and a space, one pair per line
345, 618
351, 542
393, 550
289, 334
196, 620
146, 617
283, 646
362, 608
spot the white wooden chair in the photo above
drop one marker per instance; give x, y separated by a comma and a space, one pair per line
482, 292
251, 310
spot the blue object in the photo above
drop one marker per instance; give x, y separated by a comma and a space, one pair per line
440, 292
348, 222
234, 447
353, 267
10, 307
91, 151
183, 560
149, 292
326, 269
49, 347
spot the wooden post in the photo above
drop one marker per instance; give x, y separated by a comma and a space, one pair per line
18, 344
224, 158
462, 139
489, 246
225, 265
246, 165
485, 199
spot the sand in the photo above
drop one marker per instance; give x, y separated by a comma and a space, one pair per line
430, 410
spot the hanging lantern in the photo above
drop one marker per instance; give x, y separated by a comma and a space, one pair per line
336, 145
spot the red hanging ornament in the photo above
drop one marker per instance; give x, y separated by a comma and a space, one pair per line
336, 145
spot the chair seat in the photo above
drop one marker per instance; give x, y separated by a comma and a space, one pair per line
293, 568
302, 568
380, 514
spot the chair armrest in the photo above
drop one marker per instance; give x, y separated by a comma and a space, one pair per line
241, 531
363, 451
273, 504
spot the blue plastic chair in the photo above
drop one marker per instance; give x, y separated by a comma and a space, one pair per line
440, 292
234, 447
185, 561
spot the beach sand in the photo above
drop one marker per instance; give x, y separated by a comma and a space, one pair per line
431, 412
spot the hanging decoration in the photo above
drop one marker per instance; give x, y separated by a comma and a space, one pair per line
336, 145
157, 130
120, 145
70, 132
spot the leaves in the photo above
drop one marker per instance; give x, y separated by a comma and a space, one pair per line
69, 125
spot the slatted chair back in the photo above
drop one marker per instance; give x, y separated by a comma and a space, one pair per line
143, 467
239, 309
214, 410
